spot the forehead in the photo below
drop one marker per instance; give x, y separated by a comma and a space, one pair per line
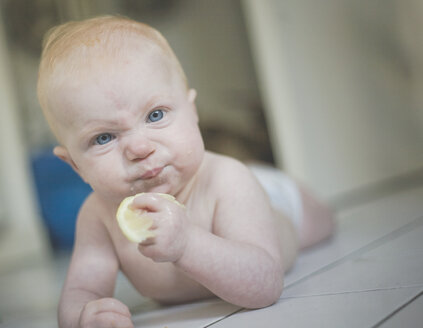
93, 55
79, 53
71, 41
129, 81
97, 55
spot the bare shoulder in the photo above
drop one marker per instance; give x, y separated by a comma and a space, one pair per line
243, 211
224, 167
90, 227
237, 192
88, 212
230, 176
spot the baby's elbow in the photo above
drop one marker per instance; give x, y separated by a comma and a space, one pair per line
267, 296
263, 302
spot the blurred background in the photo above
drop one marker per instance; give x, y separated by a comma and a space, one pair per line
329, 91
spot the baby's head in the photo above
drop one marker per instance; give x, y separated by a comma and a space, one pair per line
117, 100
74, 50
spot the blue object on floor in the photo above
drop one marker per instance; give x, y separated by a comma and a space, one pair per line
61, 193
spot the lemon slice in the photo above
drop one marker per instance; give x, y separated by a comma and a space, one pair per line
135, 224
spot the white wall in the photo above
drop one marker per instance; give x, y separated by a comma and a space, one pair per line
337, 91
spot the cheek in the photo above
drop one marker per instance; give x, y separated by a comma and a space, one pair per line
188, 136
192, 147
98, 172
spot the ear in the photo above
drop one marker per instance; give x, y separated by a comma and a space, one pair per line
192, 95
64, 155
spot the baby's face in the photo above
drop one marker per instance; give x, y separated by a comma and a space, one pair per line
129, 128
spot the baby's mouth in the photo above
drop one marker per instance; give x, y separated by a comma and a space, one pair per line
150, 174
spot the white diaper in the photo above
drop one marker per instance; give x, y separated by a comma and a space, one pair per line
282, 190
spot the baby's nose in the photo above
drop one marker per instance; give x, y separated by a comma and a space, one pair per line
138, 147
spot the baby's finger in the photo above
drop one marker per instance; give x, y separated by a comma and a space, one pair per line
107, 305
147, 201
148, 250
113, 320
147, 242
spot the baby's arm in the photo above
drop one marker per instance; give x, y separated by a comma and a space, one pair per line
86, 299
241, 261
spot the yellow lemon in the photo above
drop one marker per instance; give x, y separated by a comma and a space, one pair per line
135, 224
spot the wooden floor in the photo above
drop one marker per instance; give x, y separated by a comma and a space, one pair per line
369, 275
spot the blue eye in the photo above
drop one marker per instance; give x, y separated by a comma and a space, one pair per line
104, 138
156, 115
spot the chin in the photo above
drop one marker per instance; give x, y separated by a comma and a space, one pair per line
163, 189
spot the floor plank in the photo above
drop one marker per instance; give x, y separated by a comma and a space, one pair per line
393, 261
199, 314
336, 310
358, 227
410, 315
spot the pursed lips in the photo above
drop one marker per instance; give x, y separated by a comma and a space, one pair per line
151, 173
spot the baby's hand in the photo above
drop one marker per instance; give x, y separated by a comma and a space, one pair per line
105, 313
169, 225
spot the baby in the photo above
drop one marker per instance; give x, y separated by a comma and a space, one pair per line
116, 98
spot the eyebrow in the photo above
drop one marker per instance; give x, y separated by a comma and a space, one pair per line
92, 126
